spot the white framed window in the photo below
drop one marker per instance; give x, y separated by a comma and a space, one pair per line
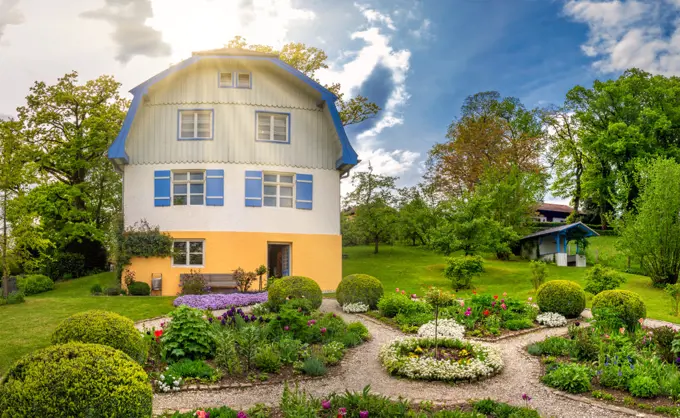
226, 79
278, 190
196, 124
243, 80
188, 253
188, 188
273, 127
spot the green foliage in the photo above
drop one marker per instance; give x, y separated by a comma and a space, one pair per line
663, 339
539, 271
562, 296
586, 344
144, 240
139, 289
96, 289
194, 283
293, 287
417, 214
461, 270
395, 303
248, 341
651, 233
492, 408
599, 279
16, 297
624, 304
244, 279
598, 394
518, 324
102, 327
673, 292
226, 355
193, 369
359, 329
268, 359
643, 387
289, 349
552, 346
34, 284
359, 288
333, 352
297, 404
76, 380
187, 335
314, 366
66, 265
573, 378
112, 291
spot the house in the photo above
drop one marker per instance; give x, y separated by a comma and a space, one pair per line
238, 156
551, 244
551, 212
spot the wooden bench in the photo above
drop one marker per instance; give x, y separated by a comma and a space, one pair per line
218, 283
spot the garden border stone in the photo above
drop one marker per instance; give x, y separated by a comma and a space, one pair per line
244, 385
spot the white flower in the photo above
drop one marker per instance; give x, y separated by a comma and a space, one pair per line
446, 328
162, 377
357, 307
551, 319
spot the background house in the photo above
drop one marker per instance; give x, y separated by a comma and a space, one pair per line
551, 212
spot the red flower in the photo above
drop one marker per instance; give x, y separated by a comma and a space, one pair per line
486, 312
495, 296
158, 333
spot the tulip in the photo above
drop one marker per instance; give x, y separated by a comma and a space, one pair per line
286, 328
326, 404
495, 296
323, 330
363, 414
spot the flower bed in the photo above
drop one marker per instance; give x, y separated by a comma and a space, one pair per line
216, 301
445, 328
415, 358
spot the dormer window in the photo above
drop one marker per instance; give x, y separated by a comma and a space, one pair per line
238, 80
226, 80
273, 127
196, 124
243, 80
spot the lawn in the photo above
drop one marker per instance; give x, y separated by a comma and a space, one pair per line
414, 269
28, 326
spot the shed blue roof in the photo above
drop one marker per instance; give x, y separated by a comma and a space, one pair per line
117, 152
587, 232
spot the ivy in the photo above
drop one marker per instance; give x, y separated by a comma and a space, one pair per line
140, 240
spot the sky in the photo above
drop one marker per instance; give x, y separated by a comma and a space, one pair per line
416, 59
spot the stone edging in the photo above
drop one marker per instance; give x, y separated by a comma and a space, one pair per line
217, 386
508, 336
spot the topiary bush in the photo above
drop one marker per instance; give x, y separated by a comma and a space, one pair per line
393, 304
359, 288
34, 284
294, 287
102, 327
139, 289
624, 304
562, 296
76, 380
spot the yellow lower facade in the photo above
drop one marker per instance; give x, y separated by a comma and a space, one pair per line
316, 256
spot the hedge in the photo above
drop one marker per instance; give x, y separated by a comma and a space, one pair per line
561, 296
34, 284
294, 287
139, 289
359, 288
102, 327
76, 380
623, 304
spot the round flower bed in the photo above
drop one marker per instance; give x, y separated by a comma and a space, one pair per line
445, 328
457, 360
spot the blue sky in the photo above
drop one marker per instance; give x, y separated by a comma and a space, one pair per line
418, 59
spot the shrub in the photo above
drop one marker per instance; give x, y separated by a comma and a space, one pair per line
144, 240
244, 279
102, 327
333, 352
599, 279
569, 377
226, 356
395, 303
187, 335
562, 296
359, 288
268, 359
359, 329
294, 287
289, 348
461, 270
66, 265
673, 292
539, 271
76, 380
552, 346
193, 369
314, 366
16, 297
643, 387
96, 289
624, 304
34, 284
663, 338
491, 408
139, 289
112, 291
193, 284
517, 324
412, 321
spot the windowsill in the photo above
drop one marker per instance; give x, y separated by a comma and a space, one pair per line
273, 142
196, 139
189, 266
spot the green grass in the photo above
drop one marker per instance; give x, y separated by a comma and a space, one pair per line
28, 326
415, 269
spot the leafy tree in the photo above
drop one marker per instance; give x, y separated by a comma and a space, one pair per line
417, 214
308, 60
67, 128
373, 200
599, 279
539, 271
492, 131
651, 233
461, 270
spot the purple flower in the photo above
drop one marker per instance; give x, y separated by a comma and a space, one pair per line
210, 320
286, 328
241, 414
526, 398
326, 404
224, 322
220, 301
363, 414
323, 330
342, 411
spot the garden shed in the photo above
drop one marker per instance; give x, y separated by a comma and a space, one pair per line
551, 244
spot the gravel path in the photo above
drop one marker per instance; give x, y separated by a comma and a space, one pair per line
361, 367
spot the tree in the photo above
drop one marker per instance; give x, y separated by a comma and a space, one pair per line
68, 128
417, 214
651, 232
565, 154
491, 132
372, 199
308, 60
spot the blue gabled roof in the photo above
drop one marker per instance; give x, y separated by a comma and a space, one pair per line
117, 152
587, 231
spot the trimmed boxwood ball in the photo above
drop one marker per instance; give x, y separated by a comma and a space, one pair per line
294, 287
76, 380
562, 296
624, 304
359, 288
102, 327
139, 289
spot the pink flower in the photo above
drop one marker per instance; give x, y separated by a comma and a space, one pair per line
641, 321
505, 294
202, 414
326, 404
397, 290
342, 412
413, 296
363, 414
503, 306
286, 328
323, 330
622, 330
530, 298
462, 303
403, 292
493, 303
241, 414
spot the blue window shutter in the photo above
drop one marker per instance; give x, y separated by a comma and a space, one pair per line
214, 187
161, 188
304, 187
254, 188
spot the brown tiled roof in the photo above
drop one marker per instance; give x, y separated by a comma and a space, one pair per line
553, 207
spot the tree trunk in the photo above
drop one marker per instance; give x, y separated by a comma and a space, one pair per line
377, 242
5, 268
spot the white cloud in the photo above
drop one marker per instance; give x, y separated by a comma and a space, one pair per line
423, 32
374, 16
9, 15
626, 34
